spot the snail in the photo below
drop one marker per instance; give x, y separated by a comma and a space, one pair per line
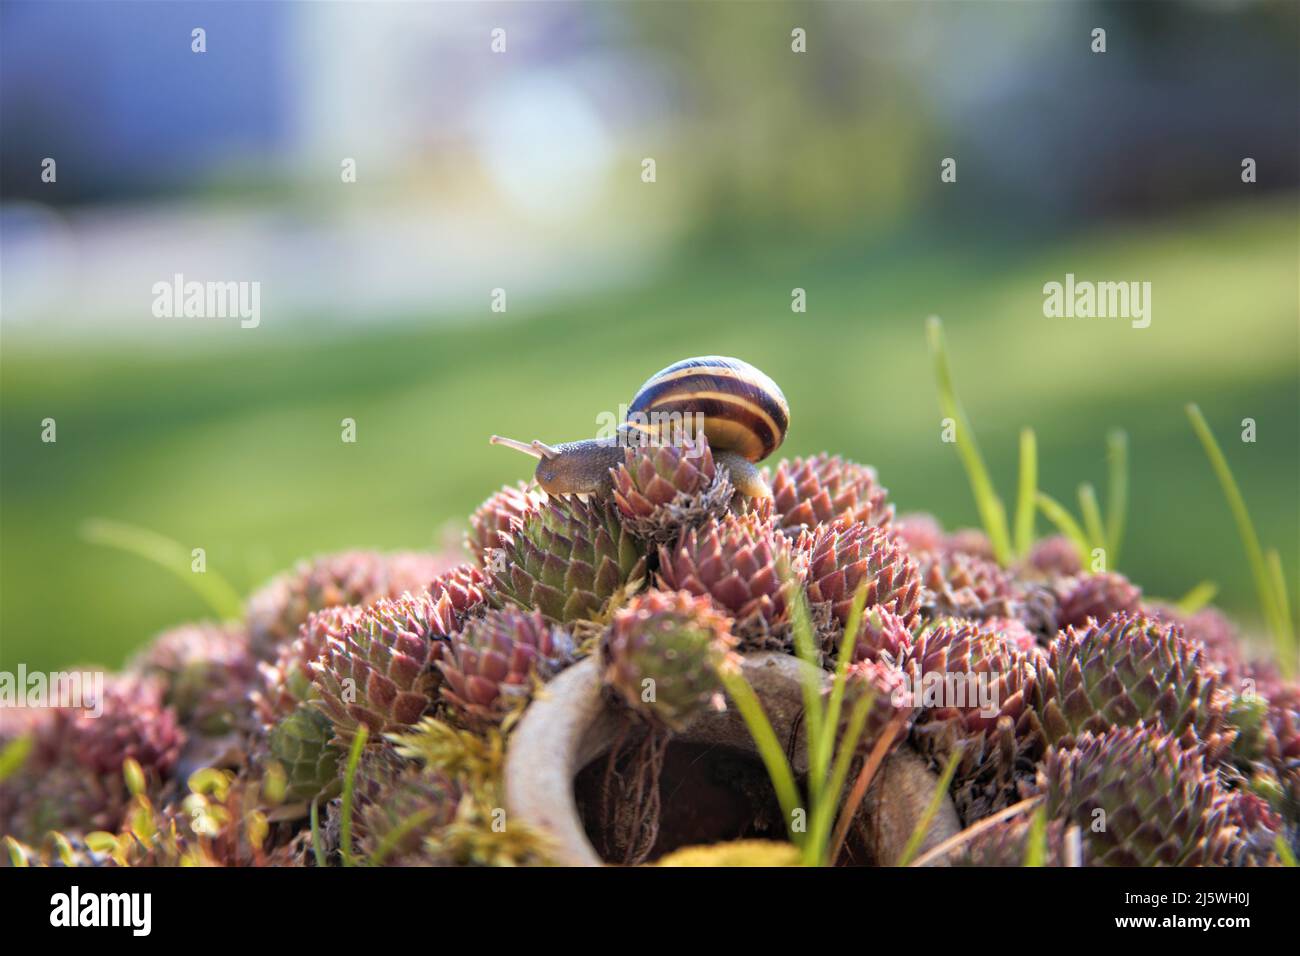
741, 411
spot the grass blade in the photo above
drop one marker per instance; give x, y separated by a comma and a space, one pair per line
1091, 512
175, 557
1284, 851
1056, 513
1197, 597
317, 841
1036, 851
769, 748
811, 685
825, 741
1116, 492
992, 512
1287, 652
349, 787
825, 811
14, 754
1026, 492
923, 825
1270, 604
417, 819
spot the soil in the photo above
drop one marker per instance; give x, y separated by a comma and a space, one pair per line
707, 794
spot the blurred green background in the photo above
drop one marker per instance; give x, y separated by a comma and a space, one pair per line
775, 170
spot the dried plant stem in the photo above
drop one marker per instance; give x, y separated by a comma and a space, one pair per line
974, 830
1074, 846
863, 781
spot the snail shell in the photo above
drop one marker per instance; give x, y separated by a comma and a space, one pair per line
743, 410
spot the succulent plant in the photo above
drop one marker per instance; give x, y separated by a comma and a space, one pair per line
964, 585
1089, 597
1148, 719
1055, 557
919, 532
287, 682
464, 588
661, 489
490, 667
1128, 671
662, 653
1267, 747
206, 670
975, 688
354, 577
1035, 606
301, 742
501, 513
971, 542
480, 835
225, 820
380, 670
135, 724
739, 563
1009, 843
1012, 632
567, 560
1258, 826
57, 850
891, 699
1222, 643
1143, 799
883, 636
72, 778
1284, 728
843, 556
414, 803
807, 492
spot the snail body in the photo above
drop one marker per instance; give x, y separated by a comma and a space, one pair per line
740, 410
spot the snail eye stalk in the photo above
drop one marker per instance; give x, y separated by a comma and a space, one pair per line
528, 449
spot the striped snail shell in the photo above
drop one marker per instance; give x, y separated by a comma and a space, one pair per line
742, 412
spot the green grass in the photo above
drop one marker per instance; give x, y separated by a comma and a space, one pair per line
229, 440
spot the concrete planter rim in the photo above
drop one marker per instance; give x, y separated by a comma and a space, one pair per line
572, 722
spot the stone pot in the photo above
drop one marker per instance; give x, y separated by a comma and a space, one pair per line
572, 722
